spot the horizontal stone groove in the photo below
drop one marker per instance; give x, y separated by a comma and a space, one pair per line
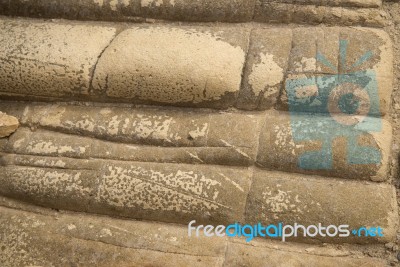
193, 66
135, 242
75, 235
347, 12
144, 134
210, 195
274, 140
151, 191
56, 145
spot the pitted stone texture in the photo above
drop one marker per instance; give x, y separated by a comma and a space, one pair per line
52, 187
149, 126
48, 143
34, 236
345, 12
130, 10
56, 239
173, 193
195, 10
266, 67
353, 3
145, 134
280, 150
192, 66
8, 124
113, 10
151, 191
185, 66
258, 254
49, 59
293, 198
267, 11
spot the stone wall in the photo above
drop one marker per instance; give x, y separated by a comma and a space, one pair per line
128, 131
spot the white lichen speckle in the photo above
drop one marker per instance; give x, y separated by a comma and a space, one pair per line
105, 232
147, 3
71, 227
114, 5
267, 73
306, 65
99, 2
199, 132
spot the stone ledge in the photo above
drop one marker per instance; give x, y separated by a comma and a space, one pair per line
207, 194
190, 66
274, 12
56, 238
32, 239
140, 134
273, 140
261, 255
151, 191
47, 59
340, 12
